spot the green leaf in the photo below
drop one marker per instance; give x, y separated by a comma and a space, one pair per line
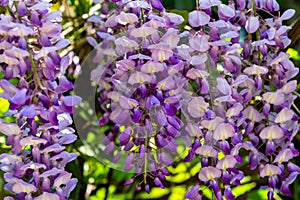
207, 192
14, 81
258, 195
294, 54
242, 189
119, 176
261, 194
177, 193
2, 74
100, 194
155, 193
4, 106
179, 178
180, 168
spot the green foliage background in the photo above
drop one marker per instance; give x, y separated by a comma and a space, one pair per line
98, 182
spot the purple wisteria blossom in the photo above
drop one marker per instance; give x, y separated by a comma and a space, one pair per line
40, 113
216, 90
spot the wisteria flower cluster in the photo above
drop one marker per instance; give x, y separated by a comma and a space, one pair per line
223, 86
39, 110
217, 88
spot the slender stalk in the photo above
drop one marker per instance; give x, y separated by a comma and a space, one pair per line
145, 159
10, 11
296, 108
142, 17
197, 4
16, 5
257, 32
254, 7
297, 94
211, 98
210, 84
35, 73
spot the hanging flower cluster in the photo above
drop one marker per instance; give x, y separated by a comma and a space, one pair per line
222, 85
143, 91
39, 112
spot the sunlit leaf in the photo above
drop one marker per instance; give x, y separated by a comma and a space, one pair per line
242, 189
100, 194
4, 106
207, 192
195, 170
294, 54
261, 194
246, 179
179, 178
221, 155
177, 193
180, 168
154, 194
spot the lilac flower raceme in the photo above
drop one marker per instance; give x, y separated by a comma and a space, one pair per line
142, 94
210, 86
34, 85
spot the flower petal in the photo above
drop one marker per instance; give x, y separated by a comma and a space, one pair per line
271, 132
126, 18
223, 131
198, 18
252, 24
288, 14
197, 107
47, 196
270, 170
284, 115
209, 173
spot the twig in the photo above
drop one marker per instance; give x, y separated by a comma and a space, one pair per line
294, 33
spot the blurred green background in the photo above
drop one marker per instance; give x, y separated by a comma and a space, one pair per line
98, 182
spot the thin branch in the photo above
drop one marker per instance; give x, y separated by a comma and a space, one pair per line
294, 33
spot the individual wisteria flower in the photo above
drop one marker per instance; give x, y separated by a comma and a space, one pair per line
193, 193
222, 85
252, 24
210, 174
198, 18
34, 85
271, 171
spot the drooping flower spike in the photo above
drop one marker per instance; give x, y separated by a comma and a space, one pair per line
222, 85
241, 95
39, 111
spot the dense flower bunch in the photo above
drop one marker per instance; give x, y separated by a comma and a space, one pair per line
142, 95
39, 111
222, 85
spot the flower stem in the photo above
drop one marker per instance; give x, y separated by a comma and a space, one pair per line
254, 7
210, 84
257, 32
255, 14
145, 159
35, 73
296, 108
10, 11
210, 96
297, 94
197, 4
16, 5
